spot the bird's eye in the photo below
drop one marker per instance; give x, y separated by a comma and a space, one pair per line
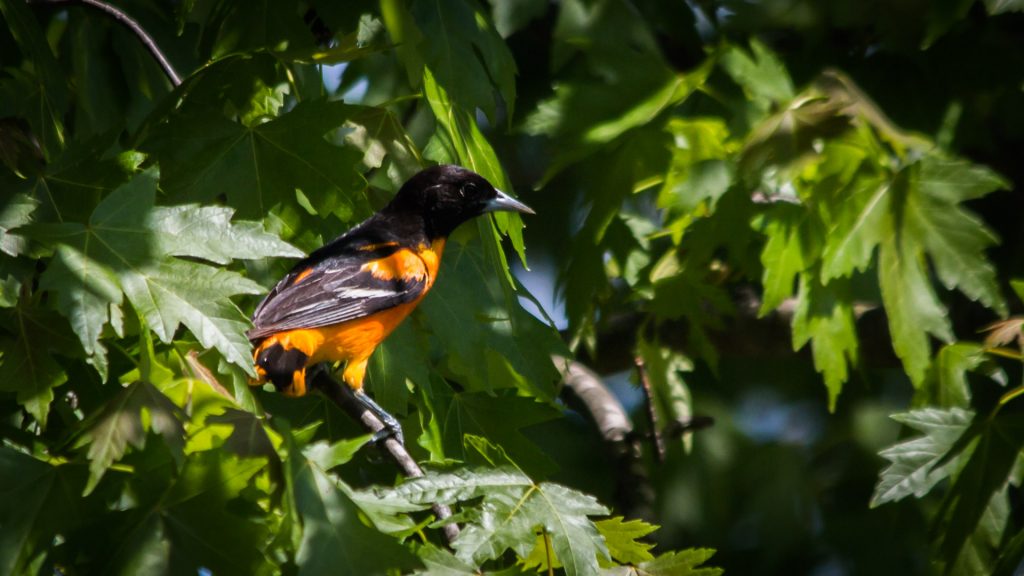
467, 190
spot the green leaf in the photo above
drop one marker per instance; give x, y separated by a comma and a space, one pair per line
912, 307
334, 538
400, 361
1000, 6
512, 511
470, 148
125, 420
582, 117
129, 246
955, 239
622, 539
248, 437
441, 562
327, 456
207, 232
385, 143
824, 317
91, 307
510, 17
947, 384
909, 214
465, 54
682, 563
983, 546
500, 417
27, 364
17, 211
51, 89
37, 502
236, 27
761, 74
912, 469
861, 204
203, 156
664, 368
176, 530
228, 542
179, 292
984, 476
490, 342
782, 256
70, 187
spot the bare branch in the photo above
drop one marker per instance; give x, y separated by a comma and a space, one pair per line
128, 22
603, 406
652, 414
633, 492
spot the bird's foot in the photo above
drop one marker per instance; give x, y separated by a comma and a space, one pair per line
392, 428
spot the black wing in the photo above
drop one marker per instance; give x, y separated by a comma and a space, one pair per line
324, 290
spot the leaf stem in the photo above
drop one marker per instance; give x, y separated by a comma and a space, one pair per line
547, 549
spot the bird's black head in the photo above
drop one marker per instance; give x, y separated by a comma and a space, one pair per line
448, 195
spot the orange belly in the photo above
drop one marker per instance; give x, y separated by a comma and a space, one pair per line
352, 340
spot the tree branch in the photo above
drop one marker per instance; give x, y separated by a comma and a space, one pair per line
343, 398
128, 22
652, 414
633, 492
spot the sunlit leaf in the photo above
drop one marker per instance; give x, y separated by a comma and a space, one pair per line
471, 149
127, 247
623, 536
824, 317
17, 211
512, 511
912, 468
126, 420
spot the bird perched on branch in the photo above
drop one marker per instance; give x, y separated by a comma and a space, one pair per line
339, 303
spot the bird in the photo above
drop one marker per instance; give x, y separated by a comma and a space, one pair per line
340, 302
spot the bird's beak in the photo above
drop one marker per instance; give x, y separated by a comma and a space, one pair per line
505, 203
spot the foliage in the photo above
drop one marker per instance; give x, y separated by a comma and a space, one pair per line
703, 174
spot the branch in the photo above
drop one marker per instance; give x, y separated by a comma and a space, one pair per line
652, 414
128, 22
343, 398
633, 490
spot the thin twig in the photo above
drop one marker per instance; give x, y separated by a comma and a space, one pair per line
410, 469
129, 23
652, 415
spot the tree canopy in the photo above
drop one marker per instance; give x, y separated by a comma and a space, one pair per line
767, 307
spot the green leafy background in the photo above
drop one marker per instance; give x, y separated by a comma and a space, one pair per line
796, 218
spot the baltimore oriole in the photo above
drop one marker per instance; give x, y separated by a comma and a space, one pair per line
343, 300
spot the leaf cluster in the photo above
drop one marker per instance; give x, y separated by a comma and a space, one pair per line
141, 219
